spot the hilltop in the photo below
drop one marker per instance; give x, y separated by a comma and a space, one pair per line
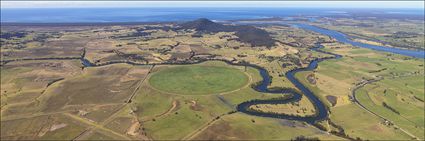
246, 33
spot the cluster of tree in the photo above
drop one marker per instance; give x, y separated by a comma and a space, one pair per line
268, 58
403, 34
10, 35
376, 71
143, 32
390, 108
341, 132
138, 33
304, 138
246, 34
353, 24
294, 59
320, 126
417, 98
129, 56
44, 36
53, 81
165, 28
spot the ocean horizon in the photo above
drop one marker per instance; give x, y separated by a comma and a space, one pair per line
169, 14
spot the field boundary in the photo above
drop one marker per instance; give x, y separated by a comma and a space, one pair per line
361, 85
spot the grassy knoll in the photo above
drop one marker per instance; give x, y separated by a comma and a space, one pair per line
194, 80
401, 89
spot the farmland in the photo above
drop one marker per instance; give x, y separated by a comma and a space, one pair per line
198, 80
185, 81
398, 87
388, 32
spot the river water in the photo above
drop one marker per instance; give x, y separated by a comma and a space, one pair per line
320, 108
345, 39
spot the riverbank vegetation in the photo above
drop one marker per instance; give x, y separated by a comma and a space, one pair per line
397, 89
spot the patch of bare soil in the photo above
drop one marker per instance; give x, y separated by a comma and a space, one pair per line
172, 108
134, 128
52, 128
57, 126
195, 106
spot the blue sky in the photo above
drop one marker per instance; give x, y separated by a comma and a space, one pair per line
318, 4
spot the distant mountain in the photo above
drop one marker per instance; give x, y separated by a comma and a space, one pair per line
246, 33
203, 25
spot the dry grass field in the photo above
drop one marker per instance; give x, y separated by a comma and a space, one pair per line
149, 82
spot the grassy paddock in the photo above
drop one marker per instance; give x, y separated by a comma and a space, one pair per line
198, 80
401, 89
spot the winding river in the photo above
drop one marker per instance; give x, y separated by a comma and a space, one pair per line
320, 108
291, 95
321, 111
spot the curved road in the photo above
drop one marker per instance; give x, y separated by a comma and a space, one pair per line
361, 85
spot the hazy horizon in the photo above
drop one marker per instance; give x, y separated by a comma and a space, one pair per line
145, 4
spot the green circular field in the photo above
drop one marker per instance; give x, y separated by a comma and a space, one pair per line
192, 80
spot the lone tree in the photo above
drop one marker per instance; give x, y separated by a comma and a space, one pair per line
245, 63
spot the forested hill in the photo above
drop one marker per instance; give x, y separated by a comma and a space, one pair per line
246, 33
